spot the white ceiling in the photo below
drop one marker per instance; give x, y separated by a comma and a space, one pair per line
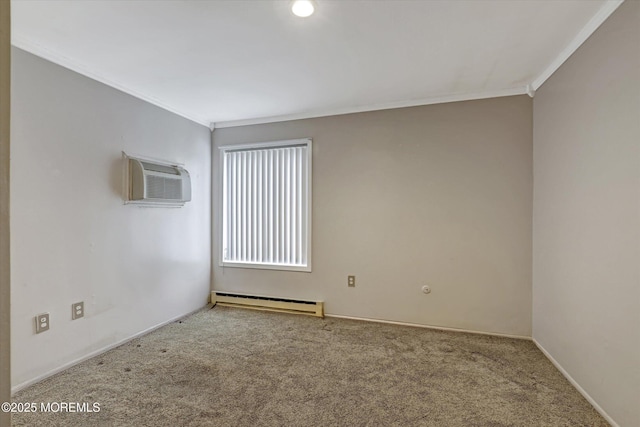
230, 61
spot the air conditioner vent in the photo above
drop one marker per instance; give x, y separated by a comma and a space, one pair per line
156, 183
160, 187
160, 168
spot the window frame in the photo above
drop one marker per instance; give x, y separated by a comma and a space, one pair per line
308, 142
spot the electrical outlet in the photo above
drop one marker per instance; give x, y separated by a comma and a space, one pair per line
77, 310
42, 322
351, 281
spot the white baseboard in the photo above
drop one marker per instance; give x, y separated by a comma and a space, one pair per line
95, 353
576, 385
439, 328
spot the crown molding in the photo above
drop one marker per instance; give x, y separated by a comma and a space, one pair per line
593, 24
375, 107
63, 61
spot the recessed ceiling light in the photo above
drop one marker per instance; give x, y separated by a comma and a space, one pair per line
303, 8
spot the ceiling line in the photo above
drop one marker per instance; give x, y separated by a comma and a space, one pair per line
594, 23
591, 26
376, 107
63, 61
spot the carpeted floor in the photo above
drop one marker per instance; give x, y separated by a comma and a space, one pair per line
235, 367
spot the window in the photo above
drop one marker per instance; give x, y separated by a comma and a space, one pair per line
266, 205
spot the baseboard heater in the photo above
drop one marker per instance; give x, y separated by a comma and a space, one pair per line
258, 302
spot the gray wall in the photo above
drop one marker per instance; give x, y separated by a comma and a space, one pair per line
437, 195
586, 270
73, 239
5, 276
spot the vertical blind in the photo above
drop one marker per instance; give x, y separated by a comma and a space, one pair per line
266, 205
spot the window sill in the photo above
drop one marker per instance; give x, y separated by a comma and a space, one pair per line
280, 267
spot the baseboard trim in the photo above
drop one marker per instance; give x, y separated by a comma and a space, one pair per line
438, 328
95, 353
575, 384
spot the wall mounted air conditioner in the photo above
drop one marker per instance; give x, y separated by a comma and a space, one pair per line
150, 182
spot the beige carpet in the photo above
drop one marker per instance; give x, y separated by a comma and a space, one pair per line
235, 367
